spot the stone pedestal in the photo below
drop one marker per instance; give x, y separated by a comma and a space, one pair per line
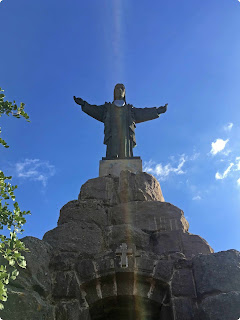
121, 252
114, 167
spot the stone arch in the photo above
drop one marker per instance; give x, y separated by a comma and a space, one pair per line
94, 285
126, 295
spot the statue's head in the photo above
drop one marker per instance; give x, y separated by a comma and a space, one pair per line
119, 92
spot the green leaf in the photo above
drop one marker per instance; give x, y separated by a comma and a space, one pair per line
15, 273
11, 262
11, 247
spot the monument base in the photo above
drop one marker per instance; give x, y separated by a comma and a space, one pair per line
115, 166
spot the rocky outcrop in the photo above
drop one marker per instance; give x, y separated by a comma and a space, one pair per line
86, 238
29, 295
127, 209
81, 271
125, 188
212, 273
217, 279
224, 306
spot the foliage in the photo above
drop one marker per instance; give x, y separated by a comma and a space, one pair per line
11, 217
10, 108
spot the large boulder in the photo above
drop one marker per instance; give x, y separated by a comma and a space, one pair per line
36, 276
126, 233
224, 306
128, 187
149, 216
102, 188
217, 273
26, 305
193, 244
139, 187
29, 295
178, 242
38, 259
90, 211
82, 237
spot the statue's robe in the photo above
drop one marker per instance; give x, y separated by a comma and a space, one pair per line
119, 126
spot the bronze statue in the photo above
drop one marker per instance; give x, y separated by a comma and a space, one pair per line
119, 120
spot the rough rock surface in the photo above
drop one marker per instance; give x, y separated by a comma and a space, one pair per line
212, 272
151, 216
29, 294
217, 279
223, 306
80, 272
128, 187
85, 237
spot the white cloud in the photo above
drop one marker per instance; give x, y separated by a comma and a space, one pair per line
194, 156
163, 171
227, 152
197, 198
218, 146
220, 176
234, 166
35, 170
228, 126
237, 163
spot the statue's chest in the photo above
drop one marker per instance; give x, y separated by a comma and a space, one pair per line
119, 121
118, 115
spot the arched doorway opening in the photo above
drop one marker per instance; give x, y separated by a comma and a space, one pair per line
128, 307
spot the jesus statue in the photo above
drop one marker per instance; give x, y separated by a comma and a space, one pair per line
120, 119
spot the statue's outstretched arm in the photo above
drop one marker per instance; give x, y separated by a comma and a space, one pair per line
96, 112
79, 101
162, 109
146, 114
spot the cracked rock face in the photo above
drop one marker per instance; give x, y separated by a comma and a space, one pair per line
166, 272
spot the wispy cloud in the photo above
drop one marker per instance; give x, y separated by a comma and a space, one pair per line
163, 171
197, 198
233, 166
228, 126
237, 163
238, 182
35, 170
194, 156
218, 146
220, 176
227, 152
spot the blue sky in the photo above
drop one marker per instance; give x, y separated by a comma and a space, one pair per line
185, 53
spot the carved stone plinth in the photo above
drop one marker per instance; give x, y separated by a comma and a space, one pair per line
114, 167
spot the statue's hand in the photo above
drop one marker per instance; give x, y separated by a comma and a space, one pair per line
162, 109
79, 101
